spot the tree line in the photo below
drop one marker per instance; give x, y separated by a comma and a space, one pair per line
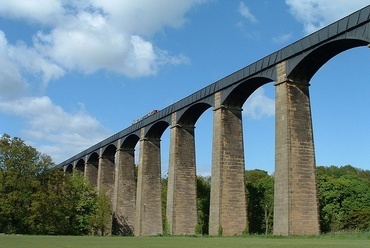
36, 197
343, 192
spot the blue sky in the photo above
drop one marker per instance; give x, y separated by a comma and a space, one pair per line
75, 72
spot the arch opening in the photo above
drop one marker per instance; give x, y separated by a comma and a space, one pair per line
238, 95
306, 68
80, 166
339, 119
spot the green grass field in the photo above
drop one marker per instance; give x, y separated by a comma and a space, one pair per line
355, 240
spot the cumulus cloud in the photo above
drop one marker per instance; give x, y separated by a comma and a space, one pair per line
30, 62
84, 36
144, 17
315, 14
246, 13
89, 43
91, 35
36, 11
51, 129
259, 105
17, 62
12, 83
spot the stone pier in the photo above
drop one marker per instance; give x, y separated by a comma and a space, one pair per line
125, 186
106, 175
181, 192
228, 214
148, 198
91, 173
295, 201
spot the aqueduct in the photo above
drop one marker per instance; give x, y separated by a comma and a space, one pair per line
110, 164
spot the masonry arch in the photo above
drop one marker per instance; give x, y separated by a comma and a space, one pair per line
109, 151
91, 169
303, 68
69, 169
199, 118
252, 96
156, 130
93, 159
130, 142
192, 114
80, 166
236, 96
341, 110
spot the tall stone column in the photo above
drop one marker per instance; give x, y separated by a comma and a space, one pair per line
91, 174
106, 175
148, 198
181, 191
106, 179
125, 186
295, 197
228, 214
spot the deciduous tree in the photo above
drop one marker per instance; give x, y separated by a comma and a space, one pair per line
344, 196
260, 201
38, 198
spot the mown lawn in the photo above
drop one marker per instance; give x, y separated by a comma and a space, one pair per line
336, 241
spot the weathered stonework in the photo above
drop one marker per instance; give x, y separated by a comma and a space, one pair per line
148, 199
106, 175
106, 180
295, 197
91, 174
125, 186
228, 215
181, 192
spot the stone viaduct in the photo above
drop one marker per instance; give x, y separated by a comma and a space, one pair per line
110, 164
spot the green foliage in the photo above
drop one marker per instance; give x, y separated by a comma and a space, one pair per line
63, 205
36, 196
46, 212
21, 167
82, 203
166, 228
260, 200
101, 220
203, 202
344, 196
220, 231
358, 220
165, 224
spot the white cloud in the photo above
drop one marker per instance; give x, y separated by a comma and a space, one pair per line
259, 105
84, 36
39, 11
30, 61
17, 62
92, 35
315, 14
145, 17
12, 84
52, 130
246, 13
